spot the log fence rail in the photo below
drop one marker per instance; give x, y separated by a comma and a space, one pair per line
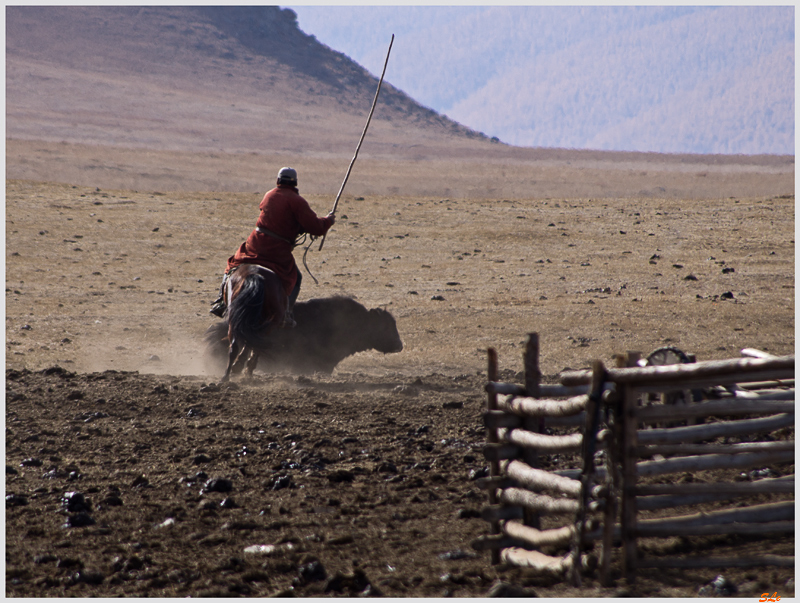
619, 438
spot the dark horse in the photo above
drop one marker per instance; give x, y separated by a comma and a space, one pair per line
256, 305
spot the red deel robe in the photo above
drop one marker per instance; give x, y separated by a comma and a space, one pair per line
287, 214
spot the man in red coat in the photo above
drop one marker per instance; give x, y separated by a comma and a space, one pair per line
285, 215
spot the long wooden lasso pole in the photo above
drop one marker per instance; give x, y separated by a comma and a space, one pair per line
363, 134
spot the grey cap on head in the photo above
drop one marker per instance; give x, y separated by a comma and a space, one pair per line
287, 175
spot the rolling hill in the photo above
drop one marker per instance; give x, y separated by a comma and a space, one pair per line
208, 98
188, 77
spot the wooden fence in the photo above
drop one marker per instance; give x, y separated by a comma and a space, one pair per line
612, 425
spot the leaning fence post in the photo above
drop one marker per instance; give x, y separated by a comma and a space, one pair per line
588, 449
533, 378
614, 423
492, 438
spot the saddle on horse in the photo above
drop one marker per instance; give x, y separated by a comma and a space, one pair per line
220, 305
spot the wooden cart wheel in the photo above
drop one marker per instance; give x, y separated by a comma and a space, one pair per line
667, 355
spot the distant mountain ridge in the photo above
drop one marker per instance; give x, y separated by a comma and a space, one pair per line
676, 79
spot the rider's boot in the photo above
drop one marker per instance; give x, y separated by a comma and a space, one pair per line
288, 317
219, 306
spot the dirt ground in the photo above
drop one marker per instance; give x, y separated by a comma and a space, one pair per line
361, 482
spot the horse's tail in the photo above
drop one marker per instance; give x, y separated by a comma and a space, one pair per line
215, 356
245, 313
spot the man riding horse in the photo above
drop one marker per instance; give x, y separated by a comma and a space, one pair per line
285, 215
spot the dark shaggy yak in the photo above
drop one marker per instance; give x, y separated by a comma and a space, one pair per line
329, 329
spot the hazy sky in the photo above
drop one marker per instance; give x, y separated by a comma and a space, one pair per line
711, 79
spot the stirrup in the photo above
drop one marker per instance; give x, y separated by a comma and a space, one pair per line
218, 309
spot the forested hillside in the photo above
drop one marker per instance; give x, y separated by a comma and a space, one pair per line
661, 79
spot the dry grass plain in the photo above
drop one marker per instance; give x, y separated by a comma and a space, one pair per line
128, 275
113, 284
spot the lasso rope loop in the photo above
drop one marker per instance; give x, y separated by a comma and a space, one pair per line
305, 254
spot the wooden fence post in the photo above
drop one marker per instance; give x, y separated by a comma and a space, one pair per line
492, 438
533, 375
629, 457
629, 398
533, 378
630, 425
588, 449
613, 480
632, 358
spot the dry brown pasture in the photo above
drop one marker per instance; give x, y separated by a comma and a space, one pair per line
107, 295
126, 275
